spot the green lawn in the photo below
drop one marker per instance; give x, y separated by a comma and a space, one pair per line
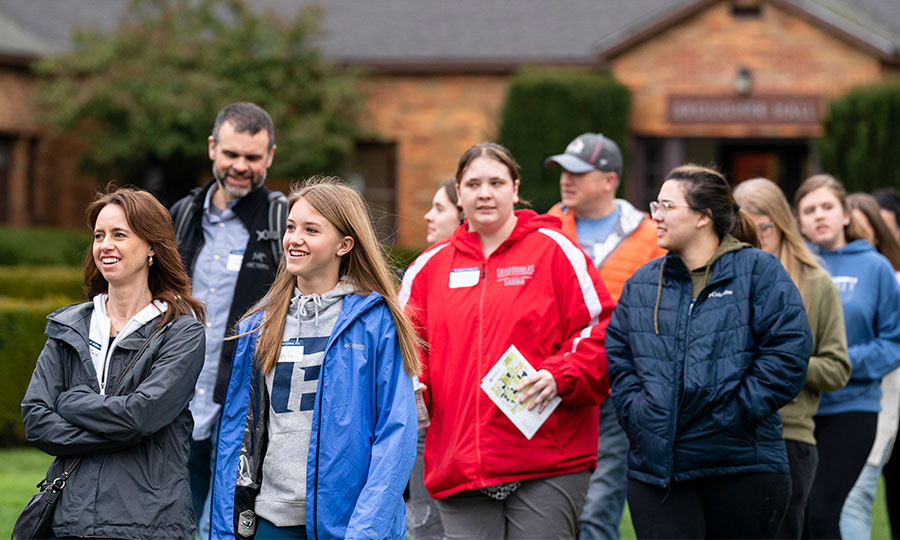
22, 468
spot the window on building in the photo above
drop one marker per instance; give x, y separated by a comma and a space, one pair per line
749, 9
5, 158
375, 176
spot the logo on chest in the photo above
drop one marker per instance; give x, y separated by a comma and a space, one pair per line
515, 275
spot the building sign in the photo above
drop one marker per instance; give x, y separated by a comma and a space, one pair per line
745, 110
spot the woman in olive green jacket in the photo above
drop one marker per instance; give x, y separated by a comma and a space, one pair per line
829, 365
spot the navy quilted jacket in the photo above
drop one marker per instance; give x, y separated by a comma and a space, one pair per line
698, 392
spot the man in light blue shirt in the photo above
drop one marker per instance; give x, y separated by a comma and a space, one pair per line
229, 237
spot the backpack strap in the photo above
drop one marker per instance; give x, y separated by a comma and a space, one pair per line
181, 214
277, 222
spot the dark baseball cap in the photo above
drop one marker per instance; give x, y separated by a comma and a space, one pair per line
589, 151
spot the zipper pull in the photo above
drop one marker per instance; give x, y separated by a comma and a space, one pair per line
483, 268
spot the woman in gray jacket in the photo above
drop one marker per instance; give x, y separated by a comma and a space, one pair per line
113, 382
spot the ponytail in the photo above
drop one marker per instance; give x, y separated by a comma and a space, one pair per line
744, 229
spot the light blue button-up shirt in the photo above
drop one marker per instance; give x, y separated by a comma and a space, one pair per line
214, 279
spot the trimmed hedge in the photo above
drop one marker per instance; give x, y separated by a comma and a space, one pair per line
21, 340
545, 109
43, 246
34, 282
862, 130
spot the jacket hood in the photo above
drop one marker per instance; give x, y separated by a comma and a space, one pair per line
527, 221
355, 305
854, 247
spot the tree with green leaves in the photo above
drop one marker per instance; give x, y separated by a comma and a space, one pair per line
862, 134
545, 109
142, 98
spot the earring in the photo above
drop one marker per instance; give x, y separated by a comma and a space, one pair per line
150, 261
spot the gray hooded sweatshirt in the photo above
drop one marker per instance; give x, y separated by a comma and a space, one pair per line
292, 392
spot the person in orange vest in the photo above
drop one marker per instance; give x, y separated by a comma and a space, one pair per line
619, 238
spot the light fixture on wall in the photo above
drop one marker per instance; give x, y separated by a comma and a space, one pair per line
743, 81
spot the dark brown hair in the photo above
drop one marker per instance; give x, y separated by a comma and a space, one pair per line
487, 149
885, 242
706, 190
151, 222
449, 187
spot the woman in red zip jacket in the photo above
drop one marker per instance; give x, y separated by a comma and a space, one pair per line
507, 277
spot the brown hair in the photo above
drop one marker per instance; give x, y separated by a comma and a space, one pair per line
150, 221
885, 242
364, 267
706, 190
763, 196
826, 180
487, 149
449, 187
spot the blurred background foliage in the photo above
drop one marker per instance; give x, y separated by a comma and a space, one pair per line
862, 134
142, 99
545, 109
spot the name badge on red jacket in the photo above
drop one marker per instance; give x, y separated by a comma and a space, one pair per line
463, 277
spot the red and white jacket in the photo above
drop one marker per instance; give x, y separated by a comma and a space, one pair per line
537, 291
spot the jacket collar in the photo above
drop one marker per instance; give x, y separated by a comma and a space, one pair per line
527, 221
245, 208
72, 325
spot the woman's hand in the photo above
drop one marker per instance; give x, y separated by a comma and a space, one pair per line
542, 385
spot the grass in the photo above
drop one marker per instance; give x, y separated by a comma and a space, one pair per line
22, 468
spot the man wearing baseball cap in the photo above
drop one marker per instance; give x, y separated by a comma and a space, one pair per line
619, 239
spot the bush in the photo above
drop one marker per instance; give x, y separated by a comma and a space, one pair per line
34, 282
861, 133
43, 245
21, 340
545, 109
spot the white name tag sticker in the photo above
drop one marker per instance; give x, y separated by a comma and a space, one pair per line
235, 258
291, 351
463, 277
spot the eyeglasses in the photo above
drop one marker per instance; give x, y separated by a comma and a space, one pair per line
765, 228
662, 208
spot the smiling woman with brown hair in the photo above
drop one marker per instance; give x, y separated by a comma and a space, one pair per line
114, 380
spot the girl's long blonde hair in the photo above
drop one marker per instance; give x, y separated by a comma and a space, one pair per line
364, 267
763, 196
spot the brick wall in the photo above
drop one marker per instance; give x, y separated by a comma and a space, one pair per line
701, 55
433, 119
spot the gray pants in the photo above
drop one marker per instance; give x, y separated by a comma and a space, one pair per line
541, 508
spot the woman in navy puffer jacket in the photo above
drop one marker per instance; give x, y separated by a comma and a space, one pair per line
704, 346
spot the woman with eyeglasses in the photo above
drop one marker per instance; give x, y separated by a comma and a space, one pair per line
704, 346
846, 419
829, 365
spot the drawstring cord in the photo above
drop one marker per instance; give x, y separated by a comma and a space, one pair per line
658, 296
309, 299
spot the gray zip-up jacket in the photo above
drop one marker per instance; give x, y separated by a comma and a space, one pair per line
132, 481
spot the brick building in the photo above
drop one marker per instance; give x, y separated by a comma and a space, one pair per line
740, 83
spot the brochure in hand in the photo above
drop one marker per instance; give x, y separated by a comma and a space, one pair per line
500, 385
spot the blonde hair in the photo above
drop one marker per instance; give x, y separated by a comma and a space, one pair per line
763, 196
364, 267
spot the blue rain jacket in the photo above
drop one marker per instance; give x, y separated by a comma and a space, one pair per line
363, 439
697, 385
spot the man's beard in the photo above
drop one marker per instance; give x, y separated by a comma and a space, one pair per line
237, 193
